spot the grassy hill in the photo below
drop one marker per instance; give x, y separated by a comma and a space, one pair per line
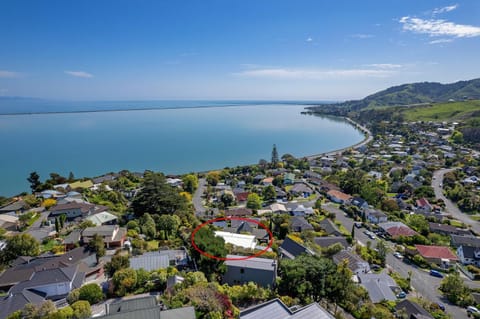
452, 111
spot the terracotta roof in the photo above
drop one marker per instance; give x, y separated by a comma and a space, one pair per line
396, 229
338, 194
441, 252
422, 202
242, 197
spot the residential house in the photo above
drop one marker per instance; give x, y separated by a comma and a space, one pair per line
73, 239
103, 218
177, 258
338, 196
9, 222
457, 241
355, 263
48, 284
299, 224
396, 229
375, 216
113, 236
74, 210
359, 202
247, 228
412, 309
469, 255
301, 190
241, 197
289, 179
281, 194
275, 308
17, 207
258, 179
267, 181
423, 205
261, 271
380, 286
328, 241
290, 249
278, 208
439, 255
145, 308
239, 212
105, 178
51, 193
445, 229
240, 240
150, 261
301, 210
329, 227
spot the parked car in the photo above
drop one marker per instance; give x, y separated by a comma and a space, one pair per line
441, 306
472, 309
358, 225
398, 255
435, 273
401, 295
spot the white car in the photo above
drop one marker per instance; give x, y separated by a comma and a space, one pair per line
472, 309
398, 255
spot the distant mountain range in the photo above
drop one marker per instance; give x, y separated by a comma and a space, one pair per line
416, 93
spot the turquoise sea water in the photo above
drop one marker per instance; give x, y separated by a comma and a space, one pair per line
170, 140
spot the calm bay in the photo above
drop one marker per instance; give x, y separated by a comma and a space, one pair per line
170, 140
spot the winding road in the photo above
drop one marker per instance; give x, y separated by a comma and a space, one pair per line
450, 207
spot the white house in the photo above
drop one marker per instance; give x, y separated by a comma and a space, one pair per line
245, 241
469, 255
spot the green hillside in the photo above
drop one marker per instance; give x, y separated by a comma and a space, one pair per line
452, 111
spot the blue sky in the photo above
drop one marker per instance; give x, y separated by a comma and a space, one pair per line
220, 49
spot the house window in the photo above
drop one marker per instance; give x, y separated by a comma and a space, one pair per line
242, 270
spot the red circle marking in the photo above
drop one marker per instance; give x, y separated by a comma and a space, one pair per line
270, 241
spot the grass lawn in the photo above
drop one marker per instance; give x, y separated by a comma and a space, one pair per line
48, 246
442, 111
456, 223
475, 217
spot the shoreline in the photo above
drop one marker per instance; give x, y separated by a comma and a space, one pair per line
367, 139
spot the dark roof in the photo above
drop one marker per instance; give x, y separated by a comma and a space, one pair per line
358, 201
465, 241
330, 240
126, 305
73, 237
300, 188
354, 261
469, 252
150, 261
299, 222
329, 227
412, 308
238, 212
444, 228
252, 263
13, 207
16, 302
292, 249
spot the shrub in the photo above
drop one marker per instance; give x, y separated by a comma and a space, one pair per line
91, 293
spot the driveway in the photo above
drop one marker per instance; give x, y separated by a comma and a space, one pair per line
38, 231
450, 207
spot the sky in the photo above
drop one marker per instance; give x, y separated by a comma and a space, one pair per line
232, 49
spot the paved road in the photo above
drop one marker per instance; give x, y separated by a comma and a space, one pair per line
38, 231
197, 197
451, 208
423, 284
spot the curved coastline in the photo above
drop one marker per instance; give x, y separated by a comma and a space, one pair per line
368, 138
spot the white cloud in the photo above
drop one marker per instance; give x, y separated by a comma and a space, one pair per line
298, 73
439, 28
385, 65
79, 74
362, 36
439, 41
444, 9
309, 39
9, 74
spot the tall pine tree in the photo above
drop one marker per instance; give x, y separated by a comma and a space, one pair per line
274, 156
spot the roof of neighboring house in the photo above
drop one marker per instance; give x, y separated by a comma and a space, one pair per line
8, 219
104, 231
469, 252
80, 184
329, 226
440, 252
150, 261
330, 240
18, 301
275, 308
300, 222
375, 213
278, 207
358, 201
13, 207
423, 202
434, 227
289, 176
396, 229
104, 178
245, 241
378, 291
292, 249
242, 196
252, 263
465, 240
238, 212
267, 180
84, 207
412, 308
354, 261
339, 195
300, 188
73, 237
101, 218
126, 305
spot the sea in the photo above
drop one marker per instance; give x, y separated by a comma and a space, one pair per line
91, 138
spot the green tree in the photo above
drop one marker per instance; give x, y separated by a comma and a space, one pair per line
20, 245
81, 310
419, 223
227, 199
57, 226
190, 183
116, 263
382, 250
340, 284
274, 156
62, 220
455, 290
157, 197
91, 293
168, 224
147, 225
73, 296
425, 191
269, 194
206, 241
124, 281
254, 201
34, 180
97, 245
457, 137
213, 178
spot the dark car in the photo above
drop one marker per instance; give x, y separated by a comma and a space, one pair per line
435, 273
